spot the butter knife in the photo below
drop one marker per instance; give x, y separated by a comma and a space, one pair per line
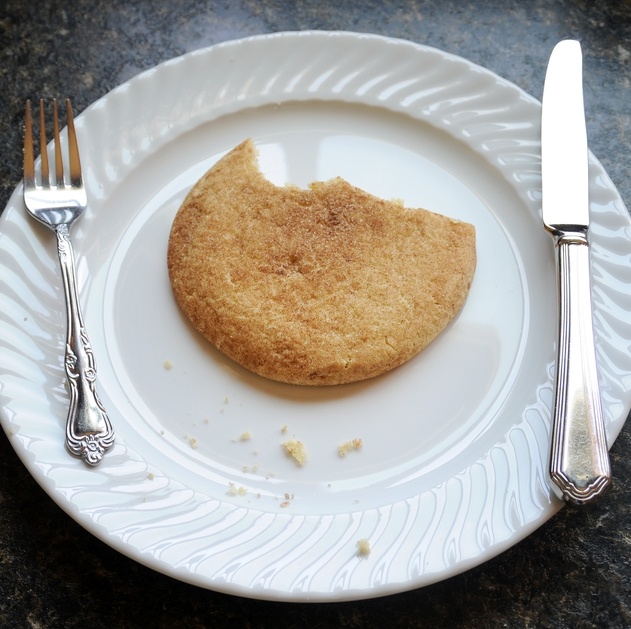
579, 459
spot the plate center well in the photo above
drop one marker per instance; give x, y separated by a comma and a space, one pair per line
413, 420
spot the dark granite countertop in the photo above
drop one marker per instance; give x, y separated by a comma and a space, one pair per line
575, 571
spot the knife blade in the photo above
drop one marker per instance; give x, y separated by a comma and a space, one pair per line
580, 469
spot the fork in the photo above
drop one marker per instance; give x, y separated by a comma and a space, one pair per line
57, 202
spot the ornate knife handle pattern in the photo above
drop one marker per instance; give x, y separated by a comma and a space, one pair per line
89, 432
579, 460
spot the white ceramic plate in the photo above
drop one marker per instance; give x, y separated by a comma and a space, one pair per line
453, 465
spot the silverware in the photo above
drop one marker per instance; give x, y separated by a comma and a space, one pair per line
57, 203
579, 459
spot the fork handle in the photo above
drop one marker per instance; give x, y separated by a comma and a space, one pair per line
579, 461
89, 432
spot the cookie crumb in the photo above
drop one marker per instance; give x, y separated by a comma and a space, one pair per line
347, 446
296, 450
233, 490
288, 498
363, 548
168, 364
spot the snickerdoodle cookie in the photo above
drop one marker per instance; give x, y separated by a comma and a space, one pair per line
321, 286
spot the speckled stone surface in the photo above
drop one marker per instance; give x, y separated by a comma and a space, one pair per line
575, 571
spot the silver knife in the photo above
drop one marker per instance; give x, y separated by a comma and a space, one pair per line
579, 457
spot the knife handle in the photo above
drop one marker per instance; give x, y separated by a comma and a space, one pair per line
579, 460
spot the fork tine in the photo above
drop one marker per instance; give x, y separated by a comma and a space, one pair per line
59, 164
73, 148
29, 159
42, 144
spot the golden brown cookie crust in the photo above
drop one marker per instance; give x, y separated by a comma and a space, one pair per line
316, 287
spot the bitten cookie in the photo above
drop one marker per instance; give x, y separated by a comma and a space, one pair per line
318, 286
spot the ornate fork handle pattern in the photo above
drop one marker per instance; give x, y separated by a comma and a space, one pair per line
89, 432
57, 202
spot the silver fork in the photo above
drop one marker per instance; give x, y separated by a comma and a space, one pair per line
57, 203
